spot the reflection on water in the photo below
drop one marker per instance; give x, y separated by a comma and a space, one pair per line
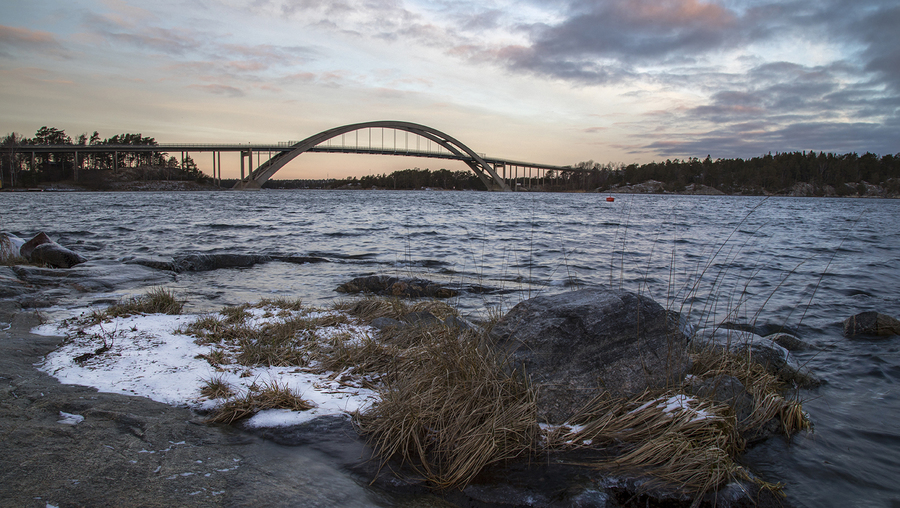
805, 263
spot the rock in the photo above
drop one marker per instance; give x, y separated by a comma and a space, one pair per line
10, 285
375, 284
871, 323
299, 260
459, 323
777, 360
701, 190
762, 329
727, 390
207, 262
94, 276
27, 247
383, 323
10, 248
157, 263
56, 255
788, 341
41, 249
573, 345
392, 286
422, 318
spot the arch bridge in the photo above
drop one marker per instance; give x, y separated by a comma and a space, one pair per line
380, 137
444, 147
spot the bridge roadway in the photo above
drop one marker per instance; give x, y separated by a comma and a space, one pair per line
487, 168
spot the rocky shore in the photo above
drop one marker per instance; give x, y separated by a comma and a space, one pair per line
76, 446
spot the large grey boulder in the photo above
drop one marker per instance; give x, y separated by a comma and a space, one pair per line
574, 345
54, 254
27, 247
775, 358
41, 249
872, 324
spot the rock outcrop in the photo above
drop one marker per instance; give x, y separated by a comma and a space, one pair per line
574, 345
392, 286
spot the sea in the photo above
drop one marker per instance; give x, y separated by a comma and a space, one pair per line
801, 264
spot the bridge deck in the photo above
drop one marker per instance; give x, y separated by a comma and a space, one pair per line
278, 147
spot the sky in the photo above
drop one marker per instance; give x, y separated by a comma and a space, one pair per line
555, 82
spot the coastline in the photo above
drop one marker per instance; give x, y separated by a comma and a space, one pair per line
646, 188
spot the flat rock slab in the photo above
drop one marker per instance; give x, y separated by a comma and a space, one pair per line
93, 276
575, 345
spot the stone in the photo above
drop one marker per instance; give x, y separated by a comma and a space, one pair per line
727, 390
776, 359
383, 323
574, 345
872, 324
27, 247
392, 286
421, 318
456, 322
762, 329
207, 262
375, 284
94, 276
788, 341
54, 254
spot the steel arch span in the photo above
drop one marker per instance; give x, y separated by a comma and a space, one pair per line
483, 169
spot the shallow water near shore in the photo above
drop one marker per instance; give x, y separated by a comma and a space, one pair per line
803, 263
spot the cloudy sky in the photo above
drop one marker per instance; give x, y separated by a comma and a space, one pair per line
555, 81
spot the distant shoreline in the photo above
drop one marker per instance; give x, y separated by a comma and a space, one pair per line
645, 188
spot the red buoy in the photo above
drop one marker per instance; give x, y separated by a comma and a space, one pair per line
610, 199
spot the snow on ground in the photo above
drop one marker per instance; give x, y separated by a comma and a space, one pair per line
148, 358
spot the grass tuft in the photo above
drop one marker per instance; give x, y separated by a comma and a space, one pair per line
268, 396
448, 409
216, 388
155, 301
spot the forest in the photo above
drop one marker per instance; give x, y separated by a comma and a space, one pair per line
826, 174
19, 169
822, 174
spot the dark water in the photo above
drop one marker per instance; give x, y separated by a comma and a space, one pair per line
804, 263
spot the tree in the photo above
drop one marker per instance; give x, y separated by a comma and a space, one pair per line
10, 163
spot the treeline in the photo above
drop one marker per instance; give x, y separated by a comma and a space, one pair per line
773, 174
414, 179
826, 174
20, 167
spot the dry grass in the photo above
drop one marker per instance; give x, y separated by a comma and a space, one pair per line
675, 440
155, 301
687, 443
370, 308
269, 396
216, 388
450, 406
448, 409
765, 388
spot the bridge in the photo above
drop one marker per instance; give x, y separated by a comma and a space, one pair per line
380, 138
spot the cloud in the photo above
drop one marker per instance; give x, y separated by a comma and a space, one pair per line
218, 89
752, 140
879, 31
15, 39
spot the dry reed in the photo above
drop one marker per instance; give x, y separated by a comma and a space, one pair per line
269, 396
448, 409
